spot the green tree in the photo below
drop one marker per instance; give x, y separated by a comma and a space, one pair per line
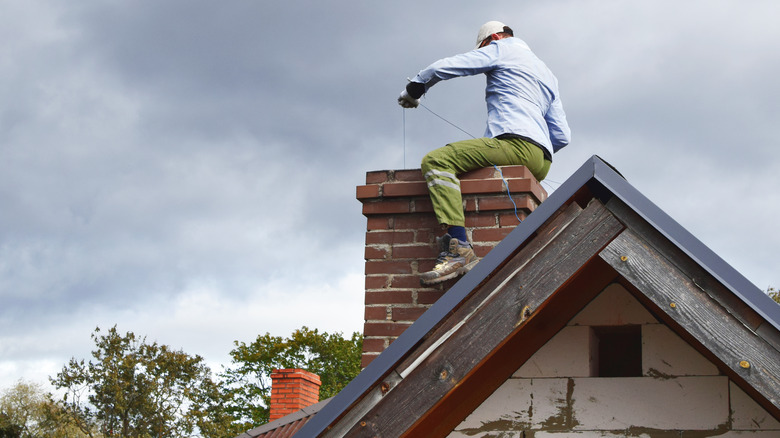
335, 359
9, 429
774, 294
132, 388
27, 411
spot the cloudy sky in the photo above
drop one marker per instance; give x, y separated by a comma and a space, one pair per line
186, 170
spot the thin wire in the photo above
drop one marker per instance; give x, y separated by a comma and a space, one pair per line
547, 181
456, 126
403, 110
506, 184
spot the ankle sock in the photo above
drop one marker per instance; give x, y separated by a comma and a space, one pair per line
458, 233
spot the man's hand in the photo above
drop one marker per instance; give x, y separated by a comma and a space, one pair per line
407, 101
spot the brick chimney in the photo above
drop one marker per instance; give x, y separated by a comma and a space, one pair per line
292, 390
401, 239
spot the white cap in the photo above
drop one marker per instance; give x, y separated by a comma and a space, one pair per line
488, 29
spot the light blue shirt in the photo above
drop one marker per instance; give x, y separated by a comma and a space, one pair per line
522, 93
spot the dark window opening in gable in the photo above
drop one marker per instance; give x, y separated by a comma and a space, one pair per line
619, 351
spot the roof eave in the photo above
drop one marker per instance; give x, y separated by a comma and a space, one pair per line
604, 182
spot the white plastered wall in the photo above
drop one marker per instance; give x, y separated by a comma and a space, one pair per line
554, 394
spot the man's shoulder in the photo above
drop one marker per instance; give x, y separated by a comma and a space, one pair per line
514, 41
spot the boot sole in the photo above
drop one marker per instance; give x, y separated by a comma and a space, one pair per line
460, 271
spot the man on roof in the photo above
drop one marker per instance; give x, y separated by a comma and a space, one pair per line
526, 125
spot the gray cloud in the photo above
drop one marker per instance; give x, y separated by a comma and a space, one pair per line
188, 169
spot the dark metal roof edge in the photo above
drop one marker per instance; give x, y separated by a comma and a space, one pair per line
383, 364
287, 419
689, 244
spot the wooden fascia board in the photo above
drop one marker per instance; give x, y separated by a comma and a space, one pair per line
751, 361
403, 408
699, 275
685, 264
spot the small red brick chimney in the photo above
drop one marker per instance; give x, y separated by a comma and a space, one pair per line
401, 239
292, 390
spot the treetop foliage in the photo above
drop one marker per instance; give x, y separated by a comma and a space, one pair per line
27, 411
134, 388
139, 389
773, 294
335, 359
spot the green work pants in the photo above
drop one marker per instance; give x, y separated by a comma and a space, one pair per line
442, 166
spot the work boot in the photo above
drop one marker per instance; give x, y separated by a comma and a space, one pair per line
456, 258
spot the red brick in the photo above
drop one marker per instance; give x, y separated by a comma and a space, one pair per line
429, 296
521, 185
384, 328
365, 192
517, 172
491, 234
427, 235
373, 345
367, 359
482, 250
423, 205
374, 253
377, 177
377, 281
409, 175
482, 186
503, 203
375, 313
388, 267
400, 242
405, 189
539, 193
389, 237
412, 252
389, 297
292, 390
378, 223
386, 207
408, 313
481, 220
416, 221
405, 282
510, 220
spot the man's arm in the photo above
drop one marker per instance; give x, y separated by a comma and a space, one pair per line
466, 64
560, 133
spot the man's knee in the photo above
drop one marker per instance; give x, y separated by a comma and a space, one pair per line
427, 163
438, 159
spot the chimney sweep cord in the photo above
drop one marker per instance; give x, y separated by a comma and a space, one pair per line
456, 126
403, 110
506, 184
